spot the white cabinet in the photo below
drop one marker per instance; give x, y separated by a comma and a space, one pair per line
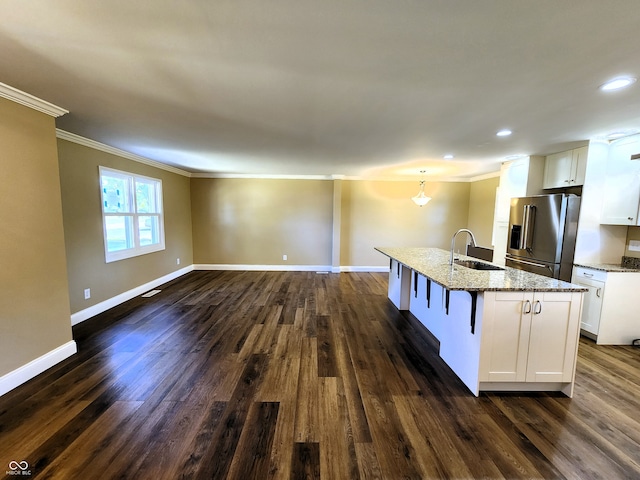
518, 178
530, 337
565, 169
594, 280
611, 305
621, 194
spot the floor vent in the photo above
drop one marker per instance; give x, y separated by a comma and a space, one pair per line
151, 293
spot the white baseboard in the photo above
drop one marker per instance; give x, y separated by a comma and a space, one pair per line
35, 367
263, 268
288, 268
364, 269
105, 305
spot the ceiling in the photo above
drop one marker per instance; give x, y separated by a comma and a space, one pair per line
375, 88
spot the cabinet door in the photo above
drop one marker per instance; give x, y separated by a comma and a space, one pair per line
579, 165
558, 170
592, 307
553, 341
592, 304
622, 185
505, 336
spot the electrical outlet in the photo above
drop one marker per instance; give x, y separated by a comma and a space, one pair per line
284, 257
634, 245
177, 261
87, 293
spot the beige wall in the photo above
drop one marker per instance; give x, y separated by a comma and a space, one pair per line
256, 221
34, 303
482, 200
381, 214
80, 184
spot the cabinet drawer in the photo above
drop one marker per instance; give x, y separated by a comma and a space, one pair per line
589, 273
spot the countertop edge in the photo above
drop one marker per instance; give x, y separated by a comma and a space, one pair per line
519, 276
607, 267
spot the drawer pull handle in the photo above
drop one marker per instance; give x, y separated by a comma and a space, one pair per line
599, 292
527, 307
588, 274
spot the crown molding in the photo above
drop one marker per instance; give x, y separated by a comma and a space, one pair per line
72, 137
30, 101
485, 176
262, 176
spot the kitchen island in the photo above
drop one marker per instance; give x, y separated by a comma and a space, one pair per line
504, 330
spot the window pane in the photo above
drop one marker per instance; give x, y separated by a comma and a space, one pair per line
119, 231
146, 196
115, 194
149, 229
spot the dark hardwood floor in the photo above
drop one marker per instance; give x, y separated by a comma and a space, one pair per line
260, 375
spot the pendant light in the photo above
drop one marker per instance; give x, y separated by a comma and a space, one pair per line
421, 199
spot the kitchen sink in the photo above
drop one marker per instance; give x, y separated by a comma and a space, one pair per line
475, 265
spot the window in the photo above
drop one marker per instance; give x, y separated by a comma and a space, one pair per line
132, 217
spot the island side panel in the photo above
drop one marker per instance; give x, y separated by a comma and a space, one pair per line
399, 285
460, 347
427, 304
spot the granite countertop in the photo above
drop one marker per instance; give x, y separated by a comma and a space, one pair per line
607, 267
434, 264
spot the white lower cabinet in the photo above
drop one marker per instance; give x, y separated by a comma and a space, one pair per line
504, 340
610, 312
592, 308
529, 337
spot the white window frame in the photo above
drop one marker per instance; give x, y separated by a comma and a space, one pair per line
137, 249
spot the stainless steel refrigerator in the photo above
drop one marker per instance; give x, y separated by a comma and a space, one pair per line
542, 234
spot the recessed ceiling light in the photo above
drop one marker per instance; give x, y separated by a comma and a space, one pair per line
448, 156
504, 133
617, 83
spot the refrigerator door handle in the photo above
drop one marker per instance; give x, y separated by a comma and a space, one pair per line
526, 240
528, 262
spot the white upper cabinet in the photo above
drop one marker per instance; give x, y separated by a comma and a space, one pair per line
621, 194
566, 169
518, 178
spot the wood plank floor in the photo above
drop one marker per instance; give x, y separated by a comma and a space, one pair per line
298, 375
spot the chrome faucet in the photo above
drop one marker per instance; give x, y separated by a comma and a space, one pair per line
453, 241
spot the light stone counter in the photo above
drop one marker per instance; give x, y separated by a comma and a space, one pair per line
434, 264
608, 267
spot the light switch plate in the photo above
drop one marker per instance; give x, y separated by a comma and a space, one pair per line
634, 245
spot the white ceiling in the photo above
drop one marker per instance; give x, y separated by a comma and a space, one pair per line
331, 87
